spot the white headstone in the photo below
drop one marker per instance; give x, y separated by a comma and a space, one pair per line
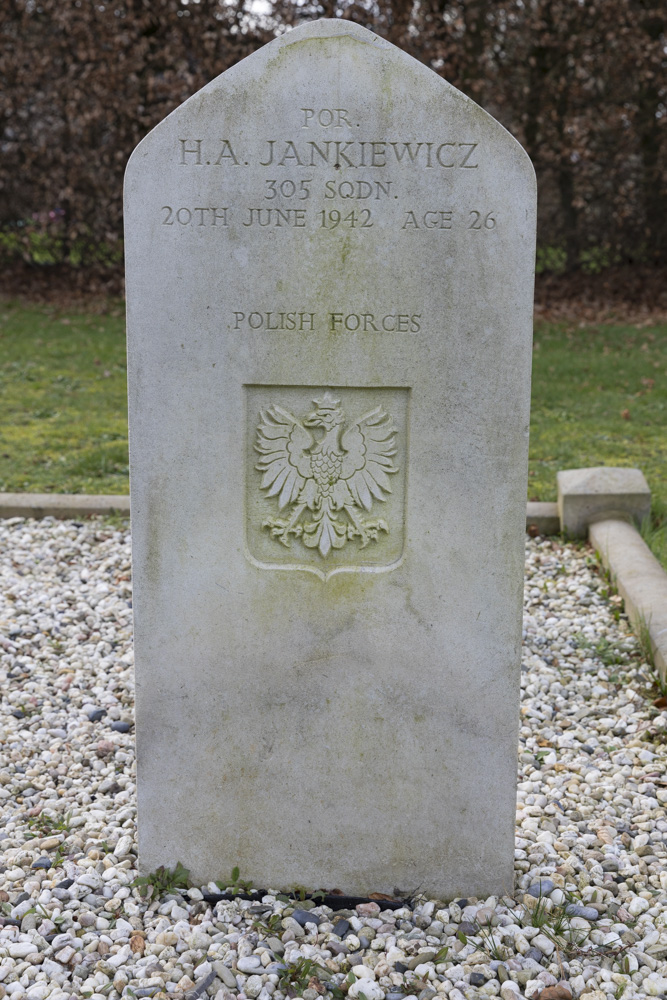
329, 286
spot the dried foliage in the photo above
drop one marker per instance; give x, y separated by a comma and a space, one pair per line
82, 83
582, 86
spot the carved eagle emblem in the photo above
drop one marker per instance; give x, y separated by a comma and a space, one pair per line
325, 480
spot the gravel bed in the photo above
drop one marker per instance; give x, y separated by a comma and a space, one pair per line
588, 912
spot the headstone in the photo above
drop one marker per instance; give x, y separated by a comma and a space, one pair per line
329, 289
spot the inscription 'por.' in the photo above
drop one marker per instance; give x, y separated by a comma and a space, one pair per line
352, 153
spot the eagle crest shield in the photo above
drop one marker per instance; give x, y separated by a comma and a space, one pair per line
326, 473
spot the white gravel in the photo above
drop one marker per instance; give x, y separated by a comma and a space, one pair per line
591, 824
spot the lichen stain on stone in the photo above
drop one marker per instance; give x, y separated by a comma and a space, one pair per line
160, 536
413, 609
323, 41
342, 602
154, 537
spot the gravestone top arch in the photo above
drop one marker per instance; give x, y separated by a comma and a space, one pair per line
330, 258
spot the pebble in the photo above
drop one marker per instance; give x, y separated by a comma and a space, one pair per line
363, 972
121, 727
304, 917
123, 846
253, 986
225, 975
250, 964
591, 829
371, 990
22, 949
541, 888
48, 843
587, 912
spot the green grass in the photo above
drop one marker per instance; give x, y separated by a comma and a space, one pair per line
599, 398
64, 405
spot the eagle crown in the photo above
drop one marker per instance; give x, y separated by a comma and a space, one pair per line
327, 415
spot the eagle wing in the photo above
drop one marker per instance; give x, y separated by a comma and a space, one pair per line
369, 445
283, 441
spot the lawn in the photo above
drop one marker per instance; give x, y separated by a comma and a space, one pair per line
599, 398
64, 401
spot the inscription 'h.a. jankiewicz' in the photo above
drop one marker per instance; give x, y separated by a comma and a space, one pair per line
350, 153
343, 471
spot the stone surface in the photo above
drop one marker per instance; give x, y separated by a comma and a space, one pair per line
641, 582
329, 285
589, 495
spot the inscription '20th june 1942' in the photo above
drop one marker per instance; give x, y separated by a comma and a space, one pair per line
358, 202
474, 220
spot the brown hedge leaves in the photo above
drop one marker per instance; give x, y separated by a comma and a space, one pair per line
582, 85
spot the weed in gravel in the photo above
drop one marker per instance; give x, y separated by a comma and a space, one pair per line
62, 852
299, 894
43, 824
43, 914
554, 922
413, 984
162, 880
567, 939
269, 925
603, 649
236, 884
541, 914
643, 633
492, 947
303, 973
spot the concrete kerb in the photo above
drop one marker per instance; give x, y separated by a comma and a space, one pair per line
604, 502
541, 518
640, 579
61, 505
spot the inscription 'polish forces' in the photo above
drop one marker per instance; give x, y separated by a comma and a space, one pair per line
345, 470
